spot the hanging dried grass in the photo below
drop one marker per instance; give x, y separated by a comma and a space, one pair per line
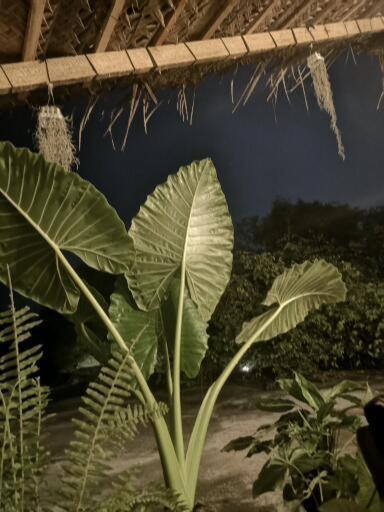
185, 110
381, 63
54, 137
323, 92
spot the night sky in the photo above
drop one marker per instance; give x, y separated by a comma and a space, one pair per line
260, 152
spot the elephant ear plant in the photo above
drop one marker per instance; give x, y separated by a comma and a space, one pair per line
174, 263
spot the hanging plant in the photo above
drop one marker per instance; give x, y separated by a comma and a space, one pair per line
54, 137
323, 93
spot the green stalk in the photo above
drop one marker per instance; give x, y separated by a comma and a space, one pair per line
177, 422
199, 433
20, 390
173, 475
168, 370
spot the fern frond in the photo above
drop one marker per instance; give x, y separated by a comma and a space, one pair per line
23, 402
126, 498
148, 500
107, 422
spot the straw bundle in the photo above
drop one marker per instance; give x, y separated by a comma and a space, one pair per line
323, 92
54, 137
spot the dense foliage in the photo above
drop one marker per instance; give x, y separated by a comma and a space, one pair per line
175, 263
346, 336
311, 449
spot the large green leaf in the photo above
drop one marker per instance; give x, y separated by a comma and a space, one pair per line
130, 320
194, 338
295, 293
45, 210
184, 221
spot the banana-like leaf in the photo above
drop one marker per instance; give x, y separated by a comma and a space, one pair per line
295, 293
90, 330
194, 338
45, 210
130, 322
184, 221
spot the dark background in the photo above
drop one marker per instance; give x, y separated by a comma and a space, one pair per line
262, 152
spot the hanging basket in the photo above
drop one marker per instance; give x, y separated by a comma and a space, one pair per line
54, 137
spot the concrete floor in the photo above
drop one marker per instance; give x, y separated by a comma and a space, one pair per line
225, 478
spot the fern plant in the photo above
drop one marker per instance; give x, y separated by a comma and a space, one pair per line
107, 422
174, 262
23, 405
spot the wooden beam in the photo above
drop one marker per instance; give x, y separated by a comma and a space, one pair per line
321, 17
211, 50
70, 70
111, 64
109, 25
27, 76
170, 56
32, 35
225, 10
255, 25
161, 37
372, 11
351, 12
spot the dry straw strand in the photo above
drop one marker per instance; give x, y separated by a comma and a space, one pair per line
323, 92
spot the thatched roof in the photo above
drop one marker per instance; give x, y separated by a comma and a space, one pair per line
37, 37
71, 27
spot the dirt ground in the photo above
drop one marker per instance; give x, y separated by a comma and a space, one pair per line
225, 478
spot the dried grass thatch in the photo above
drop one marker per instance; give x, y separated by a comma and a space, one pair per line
323, 93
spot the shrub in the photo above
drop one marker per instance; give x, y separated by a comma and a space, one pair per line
311, 447
349, 336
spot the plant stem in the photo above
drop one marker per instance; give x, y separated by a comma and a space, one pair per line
173, 475
168, 370
177, 423
197, 439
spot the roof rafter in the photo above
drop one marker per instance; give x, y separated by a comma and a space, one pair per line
161, 37
34, 24
109, 25
329, 7
297, 13
372, 10
225, 10
257, 24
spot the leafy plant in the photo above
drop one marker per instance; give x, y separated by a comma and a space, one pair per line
343, 336
176, 261
107, 422
311, 447
23, 459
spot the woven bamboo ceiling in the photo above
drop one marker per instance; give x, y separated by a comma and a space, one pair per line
60, 43
70, 27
